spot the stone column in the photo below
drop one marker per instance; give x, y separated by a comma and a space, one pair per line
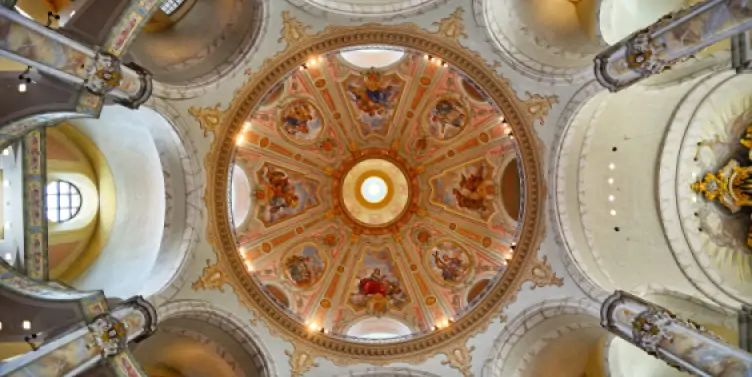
105, 339
100, 73
682, 344
673, 38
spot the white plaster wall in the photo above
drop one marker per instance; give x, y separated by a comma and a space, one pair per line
12, 204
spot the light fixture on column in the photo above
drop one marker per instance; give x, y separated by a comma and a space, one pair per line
25, 80
50, 17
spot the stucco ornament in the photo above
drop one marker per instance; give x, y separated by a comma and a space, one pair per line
460, 358
649, 329
538, 106
300, 362
452, 27
207, 117
109, 334
211, 278
104, 75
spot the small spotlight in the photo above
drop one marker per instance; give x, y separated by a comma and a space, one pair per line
22, 87
26, 325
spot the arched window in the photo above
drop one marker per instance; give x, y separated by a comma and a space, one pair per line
63, 201
170, 6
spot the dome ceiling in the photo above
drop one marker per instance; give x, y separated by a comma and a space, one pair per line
388, 195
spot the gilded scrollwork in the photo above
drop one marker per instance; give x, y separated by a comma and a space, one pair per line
207, 117
212, 278
460, 358
541, 274
538, 106
452, 27
300, 361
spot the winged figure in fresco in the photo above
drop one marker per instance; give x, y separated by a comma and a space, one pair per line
296, 119
448, 114
451, 267
468, 195
299, 269
373, 97
282, 191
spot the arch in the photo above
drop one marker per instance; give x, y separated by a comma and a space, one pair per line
605, 159
372, 57
530, 332
620, 18
378, 328
545, 41
143, 146
252, 343
204, 48
360, 8
384, 372
241, 196
558, 207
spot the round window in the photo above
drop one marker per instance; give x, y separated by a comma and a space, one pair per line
63, 201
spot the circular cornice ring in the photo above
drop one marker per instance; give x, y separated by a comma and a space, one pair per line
221, 233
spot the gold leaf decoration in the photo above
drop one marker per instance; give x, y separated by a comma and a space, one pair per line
293, 31
207, 117
300, 362
542, 275
452, 27
538, 106
211, 278
460, 358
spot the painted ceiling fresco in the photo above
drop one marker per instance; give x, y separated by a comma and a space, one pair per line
445, 227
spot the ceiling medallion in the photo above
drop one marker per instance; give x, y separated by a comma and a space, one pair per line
303, 189
391, 209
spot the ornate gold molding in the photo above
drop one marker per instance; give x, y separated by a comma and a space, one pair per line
207, 117
538, 106
212, 277
301, 46
542, 275
293, 31
300, 361
452, 27
460, 358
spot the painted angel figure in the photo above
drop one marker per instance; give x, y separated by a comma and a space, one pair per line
468, 195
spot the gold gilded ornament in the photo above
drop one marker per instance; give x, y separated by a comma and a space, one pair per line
542, 275
460, 358
207, 117
211, 278
452, 27
293, 31
538, 106
300, 362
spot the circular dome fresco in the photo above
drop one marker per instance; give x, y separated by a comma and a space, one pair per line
378, 193
394, 210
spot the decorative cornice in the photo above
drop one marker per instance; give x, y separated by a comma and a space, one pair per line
300, 47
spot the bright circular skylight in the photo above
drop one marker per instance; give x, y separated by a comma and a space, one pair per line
374, 189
